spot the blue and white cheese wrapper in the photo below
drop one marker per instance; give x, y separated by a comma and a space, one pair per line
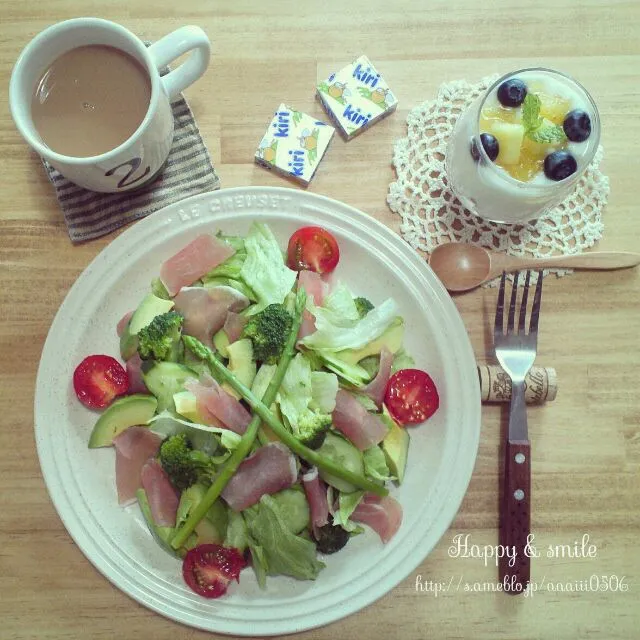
356, 97
294, 144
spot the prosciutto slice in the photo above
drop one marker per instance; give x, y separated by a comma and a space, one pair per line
122, 323
205, 310
376, 388
163, 498
233, 325
269, 470
362, 428
216, 406
307, 326
134, 373
314, 285
383, 515
198, 258
134, 446
316, 492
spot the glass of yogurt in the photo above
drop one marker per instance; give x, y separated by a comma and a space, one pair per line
518, 150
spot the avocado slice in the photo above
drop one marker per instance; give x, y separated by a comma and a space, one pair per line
395, 447
241, 363
150, 307
162, 534
164, 379
186, 405
120, 415
221, 342
391, 338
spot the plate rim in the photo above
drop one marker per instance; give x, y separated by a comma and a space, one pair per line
63, 505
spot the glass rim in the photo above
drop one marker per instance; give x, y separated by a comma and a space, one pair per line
502, 173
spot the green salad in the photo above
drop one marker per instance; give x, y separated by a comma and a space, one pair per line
263, 411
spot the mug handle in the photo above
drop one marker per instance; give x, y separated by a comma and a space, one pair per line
173, 45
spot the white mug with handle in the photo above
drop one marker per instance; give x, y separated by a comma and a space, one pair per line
139, 159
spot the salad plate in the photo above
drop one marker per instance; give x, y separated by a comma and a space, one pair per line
375, 263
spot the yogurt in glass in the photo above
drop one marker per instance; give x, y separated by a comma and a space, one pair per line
518, 150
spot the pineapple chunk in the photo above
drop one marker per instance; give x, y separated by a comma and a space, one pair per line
531, 160
554, 107
504, 114
509, 138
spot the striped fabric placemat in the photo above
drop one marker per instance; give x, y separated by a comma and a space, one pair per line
188, 171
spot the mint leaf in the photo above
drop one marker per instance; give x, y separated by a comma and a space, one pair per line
531, 112
547, 134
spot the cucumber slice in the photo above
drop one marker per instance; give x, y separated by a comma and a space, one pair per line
164, 379
344, 454
294, 509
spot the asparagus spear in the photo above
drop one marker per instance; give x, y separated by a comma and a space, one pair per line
267, 416
239, 454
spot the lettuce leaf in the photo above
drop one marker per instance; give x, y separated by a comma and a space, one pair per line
295, 391
264, 270
166, 424
262, 379
347, 503
324, 388
279, 552
258, 562
336, 337
296, 394
236, 535
338, 309
402, 360
354, 374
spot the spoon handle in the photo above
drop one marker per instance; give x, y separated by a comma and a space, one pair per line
596, 260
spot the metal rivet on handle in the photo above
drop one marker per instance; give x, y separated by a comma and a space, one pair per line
518, 494
519, 458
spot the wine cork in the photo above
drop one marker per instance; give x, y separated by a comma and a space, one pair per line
541, 384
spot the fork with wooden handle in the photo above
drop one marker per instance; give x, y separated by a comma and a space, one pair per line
516, 352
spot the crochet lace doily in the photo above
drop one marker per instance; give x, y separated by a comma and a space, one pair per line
432, 215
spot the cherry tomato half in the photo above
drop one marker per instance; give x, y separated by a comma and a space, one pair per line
209, 568
411, 396
98, 379
312, 249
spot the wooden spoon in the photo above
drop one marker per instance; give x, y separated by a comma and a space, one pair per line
461, 266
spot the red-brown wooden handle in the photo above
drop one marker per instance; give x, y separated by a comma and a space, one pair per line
515, 518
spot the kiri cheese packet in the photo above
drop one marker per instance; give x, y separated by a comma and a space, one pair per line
294, 144
356, 97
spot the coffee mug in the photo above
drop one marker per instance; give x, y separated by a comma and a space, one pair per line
141, 157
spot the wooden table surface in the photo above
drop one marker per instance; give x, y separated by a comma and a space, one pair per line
586, 442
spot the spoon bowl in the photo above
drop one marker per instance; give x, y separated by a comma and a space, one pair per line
461, 267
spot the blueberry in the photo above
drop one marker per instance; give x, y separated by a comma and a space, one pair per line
559, 165
490, 145
577, 125
511, 93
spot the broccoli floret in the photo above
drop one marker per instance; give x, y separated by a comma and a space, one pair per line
312, 429
160, 340
268, 331
363, 306
183, 465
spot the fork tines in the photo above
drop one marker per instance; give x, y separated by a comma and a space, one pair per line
535, 310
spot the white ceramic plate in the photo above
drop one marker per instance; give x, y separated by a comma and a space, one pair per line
375, 263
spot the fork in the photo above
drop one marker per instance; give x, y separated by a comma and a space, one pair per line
516, 352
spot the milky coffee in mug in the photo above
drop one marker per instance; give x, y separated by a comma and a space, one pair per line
90, 100
87, 96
